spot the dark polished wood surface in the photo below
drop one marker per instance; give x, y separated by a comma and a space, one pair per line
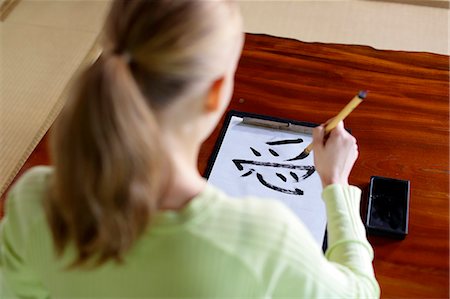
402, 131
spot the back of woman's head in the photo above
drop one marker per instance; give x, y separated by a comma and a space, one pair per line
110, 170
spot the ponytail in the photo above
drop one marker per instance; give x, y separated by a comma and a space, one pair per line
110, 166
108, 161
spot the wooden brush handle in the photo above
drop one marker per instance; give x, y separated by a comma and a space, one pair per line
343, 114
309, 148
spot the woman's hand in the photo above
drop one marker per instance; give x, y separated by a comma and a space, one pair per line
334, 156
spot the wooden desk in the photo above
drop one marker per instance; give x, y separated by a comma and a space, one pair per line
402, 130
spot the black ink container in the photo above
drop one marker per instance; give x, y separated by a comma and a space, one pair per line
388, 207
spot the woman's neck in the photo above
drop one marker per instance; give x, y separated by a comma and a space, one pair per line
185, 181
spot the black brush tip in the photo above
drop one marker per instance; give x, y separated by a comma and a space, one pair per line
362, 94
303, 155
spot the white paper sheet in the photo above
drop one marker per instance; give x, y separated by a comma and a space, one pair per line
247, 165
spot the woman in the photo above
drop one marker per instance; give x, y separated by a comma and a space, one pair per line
124, 212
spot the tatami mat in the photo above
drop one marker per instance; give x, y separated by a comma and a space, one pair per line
382, 25
73, 15
44, 43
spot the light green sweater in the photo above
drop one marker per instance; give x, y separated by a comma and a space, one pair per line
216, 247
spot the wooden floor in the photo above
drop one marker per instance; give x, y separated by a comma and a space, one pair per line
402, 130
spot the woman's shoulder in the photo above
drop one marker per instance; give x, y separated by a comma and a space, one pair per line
249, 203
33, 182
251, 211
27, 194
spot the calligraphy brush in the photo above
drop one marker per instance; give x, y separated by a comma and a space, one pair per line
333, 123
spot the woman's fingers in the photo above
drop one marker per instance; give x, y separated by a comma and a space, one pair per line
334, 154
327, 122
318, 135
340, 126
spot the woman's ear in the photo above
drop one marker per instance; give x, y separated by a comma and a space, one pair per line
213, 97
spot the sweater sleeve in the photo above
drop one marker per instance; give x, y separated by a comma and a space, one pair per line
345, 271
16, 276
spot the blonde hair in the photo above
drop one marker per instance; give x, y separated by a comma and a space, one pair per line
110, 171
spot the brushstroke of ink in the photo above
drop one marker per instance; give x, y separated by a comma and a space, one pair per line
294, 175
282, 177
274, 153
270, 186
310, 169
255, 152
248, 173
302, 156
286, 141
308, 173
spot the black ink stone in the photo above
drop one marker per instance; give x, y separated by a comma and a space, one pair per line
388, 209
